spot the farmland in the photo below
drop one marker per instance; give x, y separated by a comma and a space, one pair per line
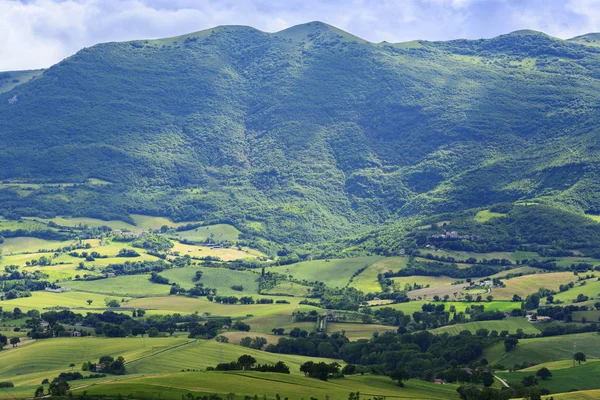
510, 324
546, 349
334, 273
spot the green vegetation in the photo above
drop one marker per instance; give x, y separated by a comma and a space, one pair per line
511, 325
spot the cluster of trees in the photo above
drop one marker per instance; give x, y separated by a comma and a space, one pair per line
320, 370
107, 365
245, 362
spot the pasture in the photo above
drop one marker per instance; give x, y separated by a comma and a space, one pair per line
214, 233
202, 354
224, 253
528, 284
564, 379
29, 245
367, 280
461, 306
290, 289
590, 289
486, 215
269, 385
221, 279
509, 324
47, 300
127, 285
26, 365
334, 273
358, 331
545, 349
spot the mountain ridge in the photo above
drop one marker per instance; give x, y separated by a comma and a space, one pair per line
308, 135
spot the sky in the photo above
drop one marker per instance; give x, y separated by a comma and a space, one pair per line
39, 33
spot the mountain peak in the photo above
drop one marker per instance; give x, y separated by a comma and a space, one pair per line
303, 31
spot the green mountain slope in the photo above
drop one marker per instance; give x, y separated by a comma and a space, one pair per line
305, 134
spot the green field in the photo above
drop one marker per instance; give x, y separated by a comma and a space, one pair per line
367, 280
359, 331
127, 285
294, 387
221, 279
461, 306
27, 365
289, 288
590, 289
578, 377
202, 354
528, 284
334, 273
486, 215
73, 299
546, 349
29, 244
509, 324
216, 233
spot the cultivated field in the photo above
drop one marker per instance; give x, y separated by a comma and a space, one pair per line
334, 273
509, 324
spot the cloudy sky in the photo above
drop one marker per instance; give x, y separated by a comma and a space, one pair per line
38, 33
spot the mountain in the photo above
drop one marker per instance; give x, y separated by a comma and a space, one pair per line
307, 134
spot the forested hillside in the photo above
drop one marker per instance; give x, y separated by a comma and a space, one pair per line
303, 135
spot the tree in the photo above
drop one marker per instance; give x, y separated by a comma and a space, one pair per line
579, 357
71, 366
39, 392
510, 343
153, 332
399, 375
15, 341
487, 379
246, 342
141, 312
529, 381
59, 388
543, 373
90, 302
246, 361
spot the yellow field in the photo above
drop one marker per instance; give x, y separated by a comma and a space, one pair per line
225, 254
528, 284
72, 299
367, 280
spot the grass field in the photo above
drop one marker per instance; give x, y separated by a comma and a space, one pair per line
576, 377
236, 337
486, 215
367, 280
359, 331
590, 289
463, 255
226, 254
289, 288
29, 244
202, 354
179, 304
546, 349
509, 324
528, 284
128, 285
217, 233
44, 300
294, 387
24, 365
335, 273
221, 279
412, 306
579, 395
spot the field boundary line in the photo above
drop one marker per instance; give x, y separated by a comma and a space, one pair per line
162, 351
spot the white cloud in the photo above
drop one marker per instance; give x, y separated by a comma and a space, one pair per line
38, 33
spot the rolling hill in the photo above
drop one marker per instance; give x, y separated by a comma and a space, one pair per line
303, 135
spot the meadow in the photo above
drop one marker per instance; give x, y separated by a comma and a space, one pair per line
359, 331
590, 289
127, 285
294, 387
221, 279
367, 279
486, 215
216, 233
528, 284
509, 324
46, 300
290, 289
576, 377
545, 349
334, 273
